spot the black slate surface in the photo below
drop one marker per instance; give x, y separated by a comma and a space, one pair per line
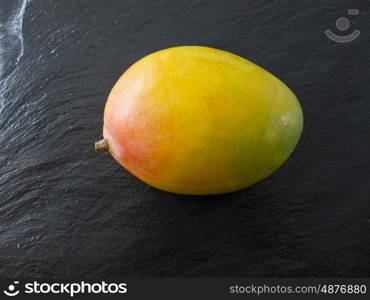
67, 211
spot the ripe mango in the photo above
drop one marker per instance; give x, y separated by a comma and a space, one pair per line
198, 120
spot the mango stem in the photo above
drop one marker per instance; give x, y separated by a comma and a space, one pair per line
102, 146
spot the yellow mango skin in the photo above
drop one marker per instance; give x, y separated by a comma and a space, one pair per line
198, 120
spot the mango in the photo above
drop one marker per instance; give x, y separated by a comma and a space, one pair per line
197, 120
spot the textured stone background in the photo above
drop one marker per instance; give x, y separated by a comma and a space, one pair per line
66, 211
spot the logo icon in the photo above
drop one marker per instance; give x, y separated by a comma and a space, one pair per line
343, 24
11, 290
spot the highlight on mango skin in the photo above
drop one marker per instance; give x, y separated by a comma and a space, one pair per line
197, 120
